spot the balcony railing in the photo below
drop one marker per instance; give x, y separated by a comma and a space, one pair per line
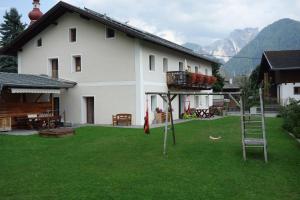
188, 80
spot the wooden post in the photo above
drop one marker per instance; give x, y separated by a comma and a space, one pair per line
52, 102
263, 123
171, 112
242, 126
166, 130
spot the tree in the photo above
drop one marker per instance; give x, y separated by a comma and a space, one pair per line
249, 91
254, 77
218, 86
9, 30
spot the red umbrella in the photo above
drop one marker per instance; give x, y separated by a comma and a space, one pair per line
146, 123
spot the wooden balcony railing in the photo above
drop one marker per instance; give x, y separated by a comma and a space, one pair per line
189, 80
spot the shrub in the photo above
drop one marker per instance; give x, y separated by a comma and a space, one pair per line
187, 116
291, 117
296, 131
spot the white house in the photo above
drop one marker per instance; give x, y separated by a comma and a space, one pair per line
112, 63
280, 73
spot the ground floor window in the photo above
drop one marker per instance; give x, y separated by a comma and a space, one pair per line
197, 101
297, 90
153, 102
207, 101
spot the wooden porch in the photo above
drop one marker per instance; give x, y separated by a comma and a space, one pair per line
27, 111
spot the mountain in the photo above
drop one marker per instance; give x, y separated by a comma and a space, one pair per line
229, 46
281, 35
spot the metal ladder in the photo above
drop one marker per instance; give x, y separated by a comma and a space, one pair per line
253, 129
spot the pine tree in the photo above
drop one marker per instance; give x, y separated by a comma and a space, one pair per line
9, 30
218, 86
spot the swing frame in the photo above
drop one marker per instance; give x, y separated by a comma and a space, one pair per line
169, 96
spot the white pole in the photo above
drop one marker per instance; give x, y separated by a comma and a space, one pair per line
166, 128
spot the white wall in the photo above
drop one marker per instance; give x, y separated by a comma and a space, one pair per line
286, 91
108, 67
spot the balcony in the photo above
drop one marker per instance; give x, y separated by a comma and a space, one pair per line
189, 80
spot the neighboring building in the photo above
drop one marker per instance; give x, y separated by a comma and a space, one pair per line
225, 100
280, 74
112, 63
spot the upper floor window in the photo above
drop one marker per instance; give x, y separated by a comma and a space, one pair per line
196, 69
206, 71
165, 64
297, 90
77, 63
54, 67
39, 42
189, 68
110, 33
153, 102
152, 63
180, 66
73, 34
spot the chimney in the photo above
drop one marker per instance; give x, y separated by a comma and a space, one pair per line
35, 14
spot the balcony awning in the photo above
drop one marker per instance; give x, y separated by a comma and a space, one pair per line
34, 91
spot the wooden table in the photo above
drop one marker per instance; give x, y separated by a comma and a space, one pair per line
203, 113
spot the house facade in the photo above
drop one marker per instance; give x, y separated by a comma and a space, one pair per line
112, 63
280, 75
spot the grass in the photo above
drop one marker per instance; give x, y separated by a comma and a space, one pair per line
111, 163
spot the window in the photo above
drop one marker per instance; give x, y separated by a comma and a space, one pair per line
39, 42
165, 64
196, 101
189, 68
180, 66
206, 71
77, 63
297, 90
165, 105
196, 69
152, 63
110, 33
54, 68
72, 34
153, 102
207, 101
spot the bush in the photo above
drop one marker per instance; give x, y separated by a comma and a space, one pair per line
291, 117
296, 132
187, 116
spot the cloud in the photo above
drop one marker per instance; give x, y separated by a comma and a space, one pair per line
170, 35
199, 21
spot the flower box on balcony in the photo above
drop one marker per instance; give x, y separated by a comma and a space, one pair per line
188, 80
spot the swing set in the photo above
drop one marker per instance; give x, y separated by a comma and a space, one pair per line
252, 125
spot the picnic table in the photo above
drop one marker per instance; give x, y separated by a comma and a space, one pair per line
204, 113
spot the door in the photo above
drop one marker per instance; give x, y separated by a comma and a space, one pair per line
56, 106
90, 110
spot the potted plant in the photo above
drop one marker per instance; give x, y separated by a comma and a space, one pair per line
159, 115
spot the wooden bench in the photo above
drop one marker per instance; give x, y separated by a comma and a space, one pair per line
121, 119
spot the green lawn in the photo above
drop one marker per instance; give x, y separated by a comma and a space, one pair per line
111, 163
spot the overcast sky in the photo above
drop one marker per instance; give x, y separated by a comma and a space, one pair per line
199, 21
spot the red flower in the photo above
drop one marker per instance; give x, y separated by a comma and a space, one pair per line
200, 78
194, 78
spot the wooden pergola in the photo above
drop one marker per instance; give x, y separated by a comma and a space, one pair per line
169, 96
